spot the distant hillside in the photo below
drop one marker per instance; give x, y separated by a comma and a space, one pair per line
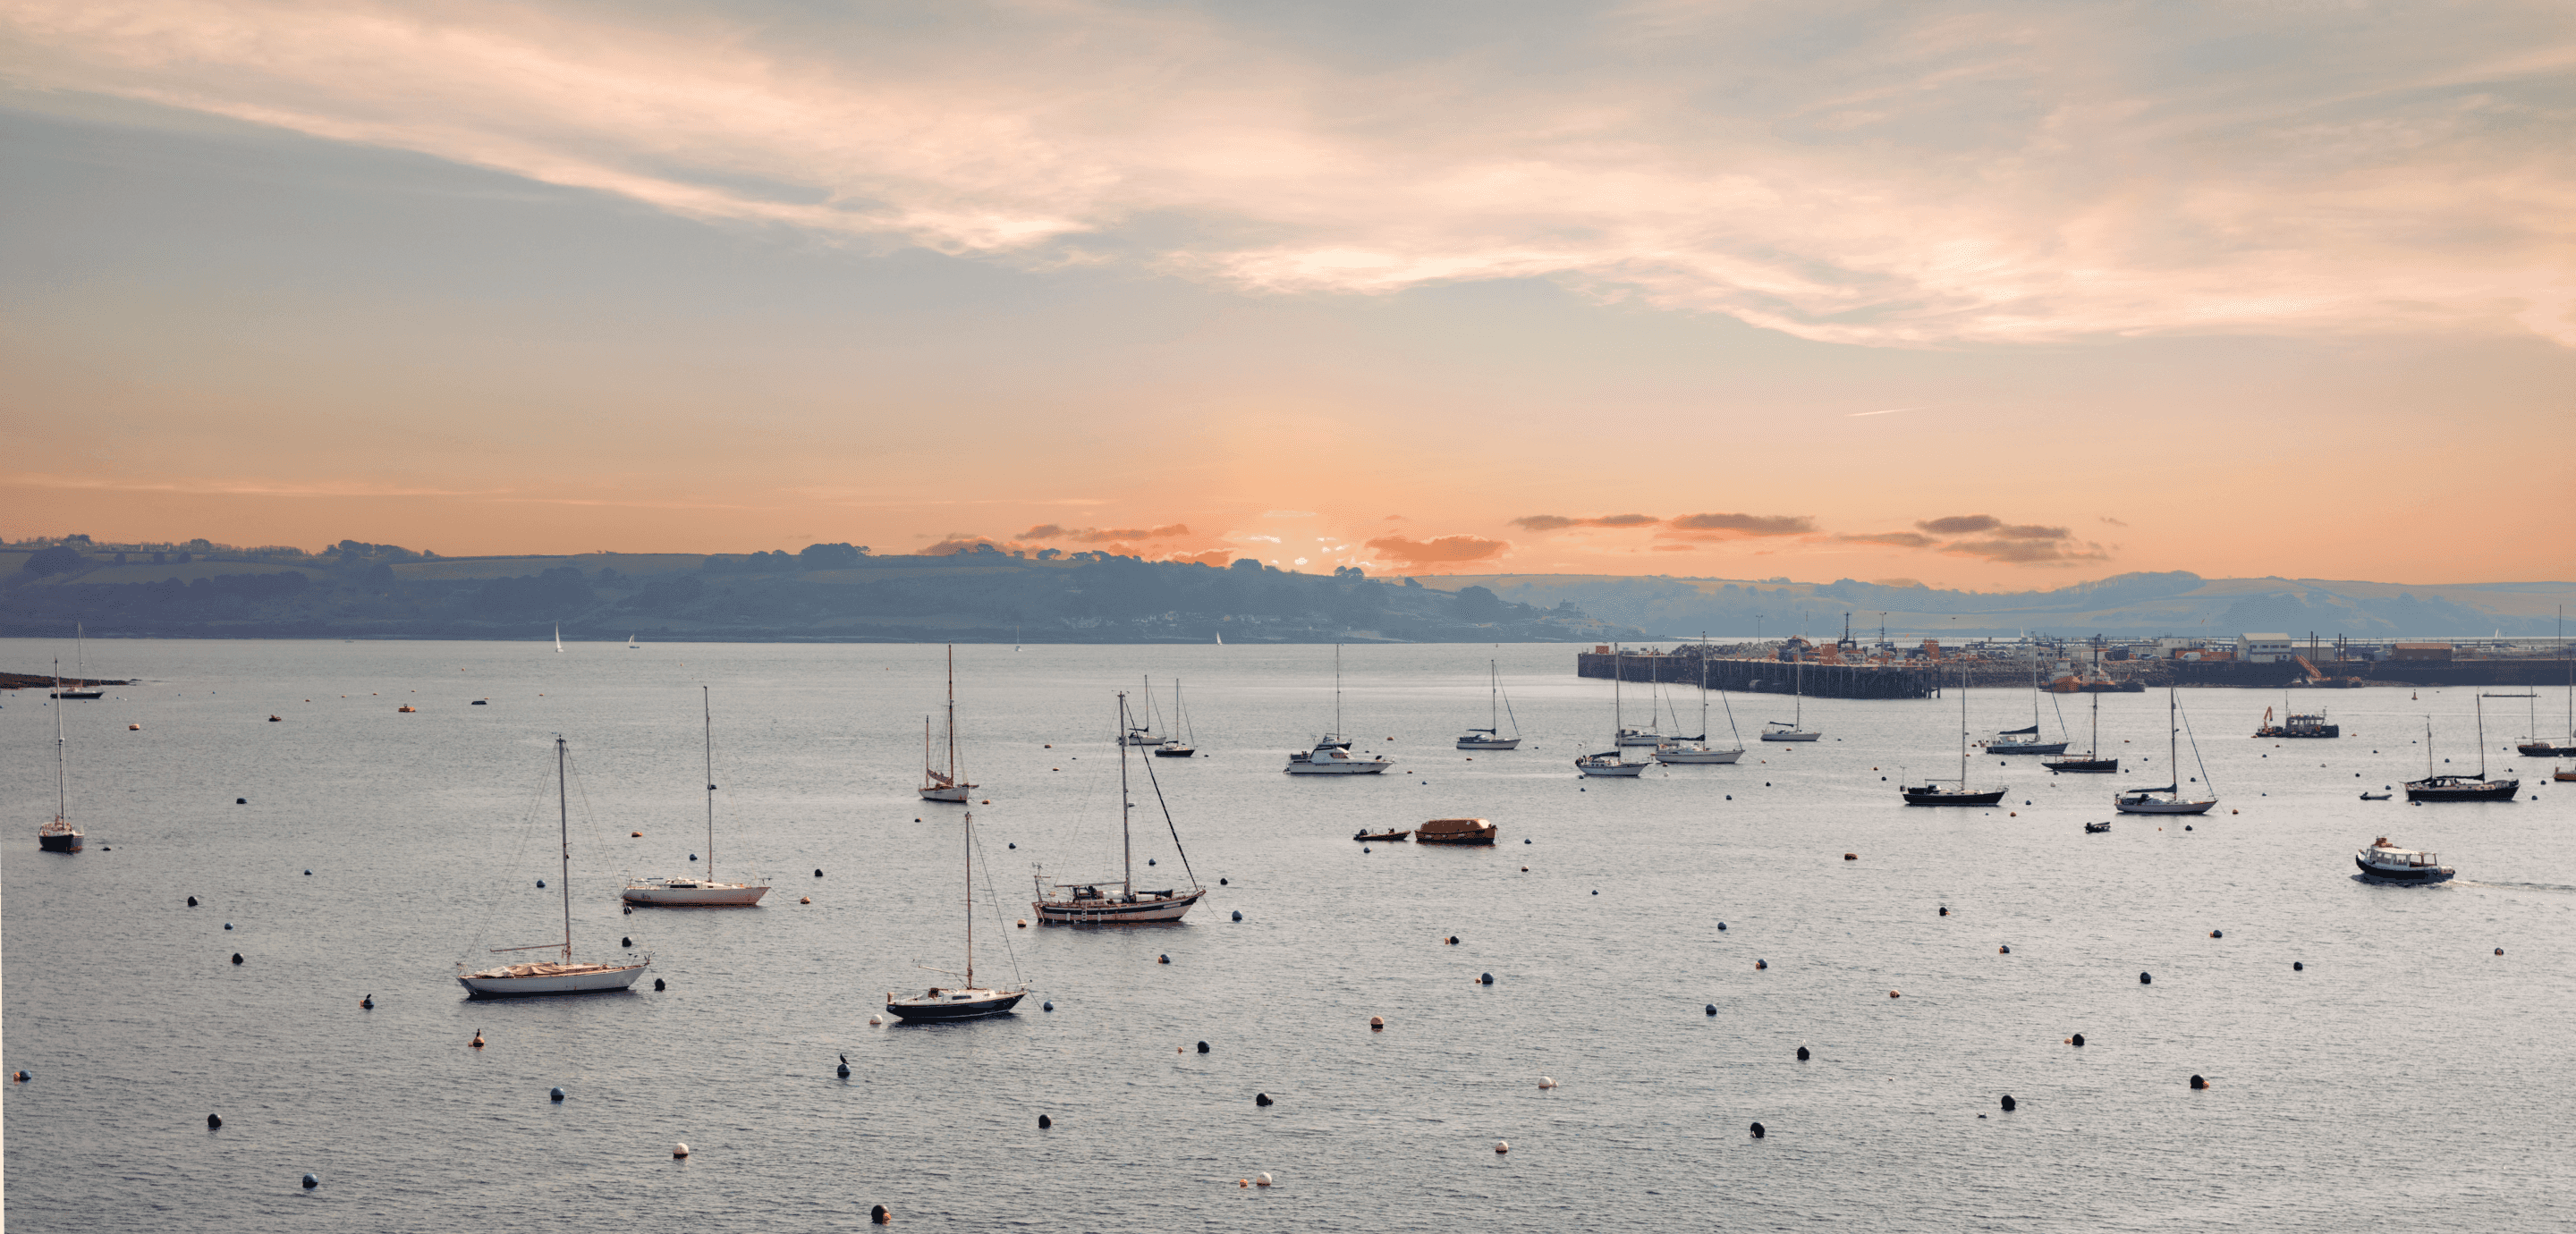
827, 593
2178, 603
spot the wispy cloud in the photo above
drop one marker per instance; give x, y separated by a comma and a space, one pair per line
214, 486
1439, 550
1997, 171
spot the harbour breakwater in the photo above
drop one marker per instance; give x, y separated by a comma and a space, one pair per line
1924, 679
1775, 676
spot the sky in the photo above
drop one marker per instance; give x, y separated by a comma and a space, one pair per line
1989, 295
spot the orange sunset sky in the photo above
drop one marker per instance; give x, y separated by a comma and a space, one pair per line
1983, 295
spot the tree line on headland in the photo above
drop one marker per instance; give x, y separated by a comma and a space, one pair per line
826, 592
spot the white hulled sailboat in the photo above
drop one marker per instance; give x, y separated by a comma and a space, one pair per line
1612, 763
1491, 738
1697, 749
707, 891
949, 785
1097, 903
564, 976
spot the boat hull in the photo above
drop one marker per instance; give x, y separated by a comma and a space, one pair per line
592, 981
1698, 756
2476, 790
2543, 749
79, 695
2129, 805
2084, 765
1475, 743
926, 1011
1612, 771
1104, 912
955, 794
707, 896
1928, 795
2327, 730
1175, 751
1355, 767
1470, 839
2039, 747
2405, 874
59, 841
1791, 736
1383, 837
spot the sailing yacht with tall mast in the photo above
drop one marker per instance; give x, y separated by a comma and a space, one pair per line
1697, 749
2169, 799
970, 1001
1096, 903
1182, 739
2536, 746
2026, 740
1929, 793
1491, 738
60, 836
707, 891
2092, 759
563, 976
1796, 728
83, 690
1612, 763
949, 785
2460, 788
1332, 753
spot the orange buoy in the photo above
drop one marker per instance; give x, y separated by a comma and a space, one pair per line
477, 1043
1502, 1146
805, 900
1378, 1023
1851, 856
1894, 994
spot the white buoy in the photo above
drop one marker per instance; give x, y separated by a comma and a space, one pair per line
876, 1019
1260, 1180
680, 1150
1502, 1146
1547, 1081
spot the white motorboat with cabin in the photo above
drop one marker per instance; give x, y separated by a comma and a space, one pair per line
949, 785
1491, 738
1120, 903
1332, 753
707, 892
2170, 798
564, 975
2401, 865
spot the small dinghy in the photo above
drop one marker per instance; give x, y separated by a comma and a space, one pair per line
1456, 831
2095, 829
2376, 796
1365, 836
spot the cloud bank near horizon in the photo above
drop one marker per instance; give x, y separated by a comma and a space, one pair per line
1981, 172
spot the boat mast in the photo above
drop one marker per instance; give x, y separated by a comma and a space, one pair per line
1126, 843
1963, 728
1494, 697
563, 831
952, 713
1798, 693
707, 705
2173, 739
1618, 668
1337, 691
80, 649
62, 797
2481, 704
970, 899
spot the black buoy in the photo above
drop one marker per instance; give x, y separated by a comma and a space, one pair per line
1757, 1131
367, 1003
540, 882
2008, 1103
2078, 1039
1220, 882
2298, 966
308, 874
310, 1181
630, 910
2006, 949
1945, 910
880, 1216
241, 801
1238, 914
554, 1094
1046, 1006
2197, 1082
1721, 927
1524, 839
1711, 1009
818, 874
1802, 1054
236, 957
1016, 844
1487, 979
1148, 861
1596, 893
228, 925
626, 942
192, 901
2146, 979
1162, 959
2186, 826
657, 983
2218, 934
214, 1121
1453, 940
1045, 1122
845, 1066
1261, 1099
1203, 1047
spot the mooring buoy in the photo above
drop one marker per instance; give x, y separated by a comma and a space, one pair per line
1711, 1009
880, 1216
214, 1121
1502, 1146
2008, 1103
1377, 1023
680, 1151
1163, 959
192, 901
2146, 979
554, 1094
1203, 1047
657, 983
1261, 1099
1045, 1122
311, 1181
845, 1066
2298, 966
1487, 979
2077, 1040
237, 957
2197, 1082
1802, 1054
1238, 914
367, 1003
1757, 1131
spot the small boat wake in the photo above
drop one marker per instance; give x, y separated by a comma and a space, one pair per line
2517, 886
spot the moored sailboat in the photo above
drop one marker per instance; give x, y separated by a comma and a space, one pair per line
1183, 739
2169, 799
2026, 740
2092, 760
1332, 755
87, 690
1697, 749
1095, 903
1795, 728
707, 891
2457, 787
1491, 737
1929, 793
969, 1001
949, 785
564, 976
60, 836
1612, 763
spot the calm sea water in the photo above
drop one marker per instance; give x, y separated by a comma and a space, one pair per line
2408, 1076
